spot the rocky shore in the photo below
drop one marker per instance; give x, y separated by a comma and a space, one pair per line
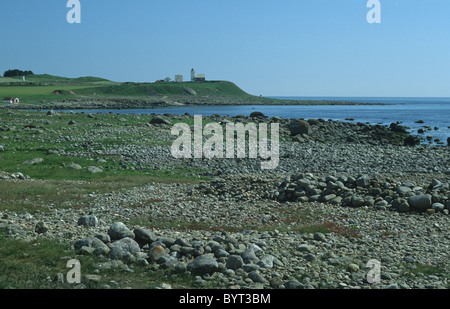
343, 195
158, 101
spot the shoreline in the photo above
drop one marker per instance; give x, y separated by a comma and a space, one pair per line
148, 107
167, 101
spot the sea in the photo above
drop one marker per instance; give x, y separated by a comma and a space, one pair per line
430, 114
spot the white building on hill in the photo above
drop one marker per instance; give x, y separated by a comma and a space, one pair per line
197, 77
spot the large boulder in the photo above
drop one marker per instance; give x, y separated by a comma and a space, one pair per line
300, 127
411, 140
257, 115
357, 201
119, 230
420, 202
88, 221
189, 91
203, 264
144, 236
395, 127
314, 122
122, 249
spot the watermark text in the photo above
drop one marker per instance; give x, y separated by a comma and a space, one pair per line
74, 14
187, 146
374, 275
374, 15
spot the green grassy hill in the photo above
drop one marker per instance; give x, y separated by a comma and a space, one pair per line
212, 88
47, 88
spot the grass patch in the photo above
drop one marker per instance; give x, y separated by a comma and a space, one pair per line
425, 270
28, 135
35, 264
181, 225
297, 219
30, 265
304, 222
418, 270
30, 196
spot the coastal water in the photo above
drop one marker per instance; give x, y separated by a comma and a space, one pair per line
434, 112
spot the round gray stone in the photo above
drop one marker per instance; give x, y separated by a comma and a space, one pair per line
357, 201
266, 261
121, 249
94, 169
41, 227
420, 202
144, 236
203, 264
438, 206
119, 230
256, 277
363, 181
88, 221
234, 262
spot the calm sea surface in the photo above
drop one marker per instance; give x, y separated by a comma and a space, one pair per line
434, 112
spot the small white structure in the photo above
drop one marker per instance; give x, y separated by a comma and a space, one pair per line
167, 80
11, 100
178, 78
197, 77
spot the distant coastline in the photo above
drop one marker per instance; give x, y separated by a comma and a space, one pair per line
105, 102
47, 91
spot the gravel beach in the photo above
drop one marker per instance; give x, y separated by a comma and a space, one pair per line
343, 195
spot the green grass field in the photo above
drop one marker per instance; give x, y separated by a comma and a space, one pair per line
40, 88
31, 94
51, 79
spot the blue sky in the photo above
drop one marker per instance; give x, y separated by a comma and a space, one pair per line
270, 48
